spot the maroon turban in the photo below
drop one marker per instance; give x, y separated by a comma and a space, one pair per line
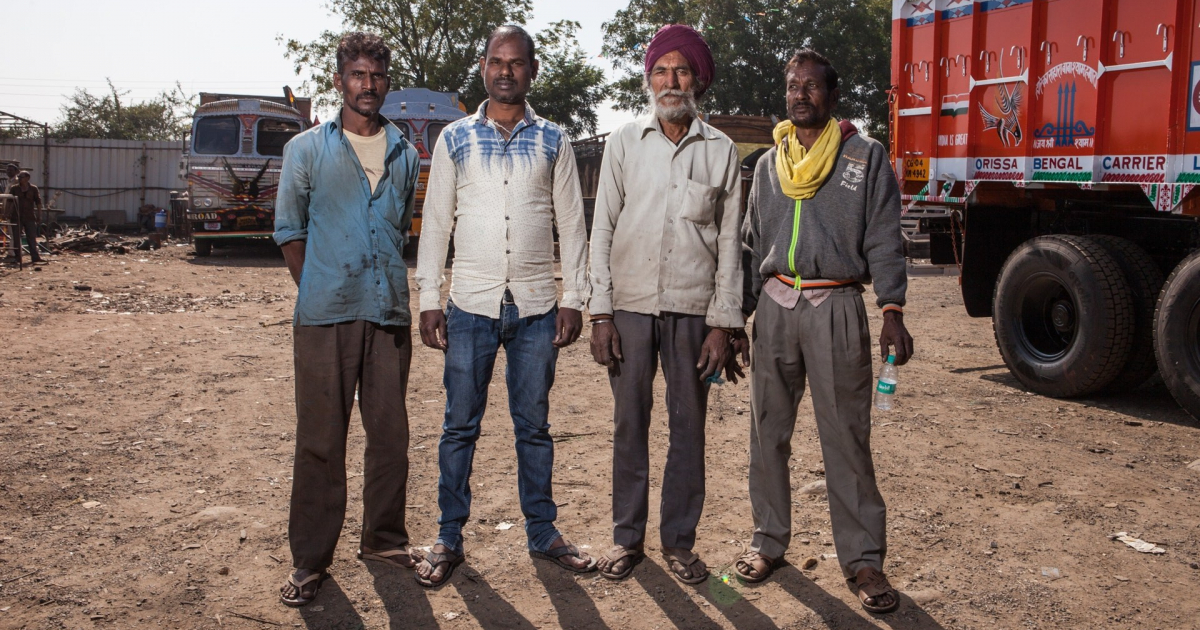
690, 44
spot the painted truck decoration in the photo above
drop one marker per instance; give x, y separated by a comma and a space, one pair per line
1054, 146
232, 165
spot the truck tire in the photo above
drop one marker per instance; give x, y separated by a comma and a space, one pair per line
1145, 283
1063, 315
203, 247
1177, 334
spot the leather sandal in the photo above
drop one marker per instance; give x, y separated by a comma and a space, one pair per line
686, 562
871, 585
618, 553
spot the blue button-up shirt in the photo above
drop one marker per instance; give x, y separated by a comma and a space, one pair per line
354, 237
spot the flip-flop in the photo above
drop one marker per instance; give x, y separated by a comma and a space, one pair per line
685, 558
748, 559
873, 583
618, 553
556, 555
435, 559
300, 599
391, 556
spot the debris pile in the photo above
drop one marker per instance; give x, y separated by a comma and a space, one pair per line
90, 241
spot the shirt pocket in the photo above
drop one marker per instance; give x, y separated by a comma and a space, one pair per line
700, 202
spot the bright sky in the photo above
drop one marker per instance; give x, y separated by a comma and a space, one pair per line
144, 46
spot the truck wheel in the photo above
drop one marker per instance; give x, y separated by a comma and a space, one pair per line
1177, 334
1063, 315
1145, 283
203, 247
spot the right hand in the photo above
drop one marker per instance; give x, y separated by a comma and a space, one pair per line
606, 344
433, 329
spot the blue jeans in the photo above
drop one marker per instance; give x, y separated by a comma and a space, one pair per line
473, 341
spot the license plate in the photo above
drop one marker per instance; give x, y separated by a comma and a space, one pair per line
244, 222
212, 227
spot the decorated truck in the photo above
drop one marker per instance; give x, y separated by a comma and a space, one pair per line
1053, 149
421, 115
232, 161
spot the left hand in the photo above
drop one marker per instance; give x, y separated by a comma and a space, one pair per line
567, 325
895, 335
740, 349
714, 354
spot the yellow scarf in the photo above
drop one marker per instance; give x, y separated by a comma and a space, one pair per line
802, 171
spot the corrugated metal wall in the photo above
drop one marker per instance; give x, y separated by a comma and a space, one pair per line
101, 174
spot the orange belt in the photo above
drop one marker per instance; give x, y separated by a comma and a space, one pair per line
815, 283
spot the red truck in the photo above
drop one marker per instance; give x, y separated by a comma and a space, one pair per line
1053, 147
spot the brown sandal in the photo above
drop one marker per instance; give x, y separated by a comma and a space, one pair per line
394, 557
685, 560
617, 554
747, 560
873, 584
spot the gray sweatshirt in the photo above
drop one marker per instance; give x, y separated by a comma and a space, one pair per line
850, 230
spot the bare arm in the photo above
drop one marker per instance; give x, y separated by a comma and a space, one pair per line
293, 254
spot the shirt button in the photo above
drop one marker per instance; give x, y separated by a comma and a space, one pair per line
508, 251
506, 182
674, 185
505, 218
372, 231
376, 282
670, 220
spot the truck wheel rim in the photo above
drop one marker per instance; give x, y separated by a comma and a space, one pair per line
1048, 318
1193, 338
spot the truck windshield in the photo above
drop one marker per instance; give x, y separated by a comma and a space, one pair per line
273, 134
217, 135
434, 131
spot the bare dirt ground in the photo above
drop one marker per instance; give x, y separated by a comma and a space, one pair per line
147, 423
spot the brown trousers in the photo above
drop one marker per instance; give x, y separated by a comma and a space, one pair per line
331, 361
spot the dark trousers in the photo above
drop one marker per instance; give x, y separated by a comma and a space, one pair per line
30, 227
330, 362
676, 341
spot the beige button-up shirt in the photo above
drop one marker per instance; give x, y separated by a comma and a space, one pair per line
665, 234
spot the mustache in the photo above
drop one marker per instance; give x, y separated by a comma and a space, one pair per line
669, 92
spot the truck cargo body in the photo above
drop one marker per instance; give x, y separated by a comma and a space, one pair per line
1059, 140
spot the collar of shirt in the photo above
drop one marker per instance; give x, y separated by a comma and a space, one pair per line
395, 138
698, 128
480, 116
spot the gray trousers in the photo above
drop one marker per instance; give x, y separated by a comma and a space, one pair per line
331, 361
831, 346
676, 340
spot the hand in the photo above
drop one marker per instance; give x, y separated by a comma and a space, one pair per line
714, 354
568, 325
433, 329
606, 344
739, 348
894, 334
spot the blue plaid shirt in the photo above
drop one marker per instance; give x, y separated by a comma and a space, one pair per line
353, 259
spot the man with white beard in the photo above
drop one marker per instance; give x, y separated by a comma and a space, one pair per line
666, 279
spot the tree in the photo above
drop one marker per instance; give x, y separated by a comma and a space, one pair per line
751, 42
165, 117
568, 89
437, 45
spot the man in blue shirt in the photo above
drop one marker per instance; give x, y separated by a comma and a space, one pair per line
343, 210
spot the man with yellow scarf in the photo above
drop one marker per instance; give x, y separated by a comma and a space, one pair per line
823, 218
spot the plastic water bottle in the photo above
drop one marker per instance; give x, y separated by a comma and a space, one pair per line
887, 384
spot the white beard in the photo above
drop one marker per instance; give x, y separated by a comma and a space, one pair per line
681, 111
